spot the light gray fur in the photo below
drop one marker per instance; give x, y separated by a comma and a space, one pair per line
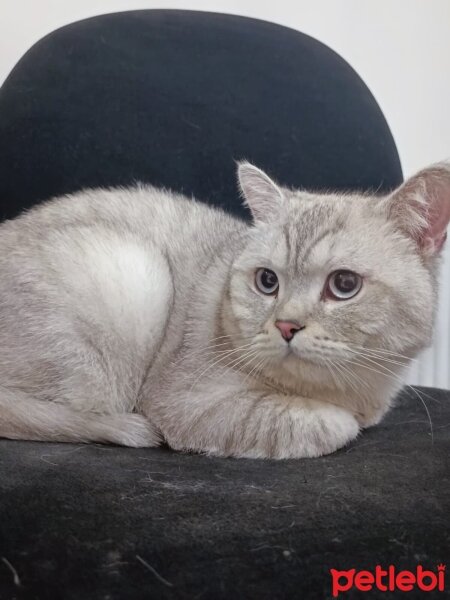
131, 316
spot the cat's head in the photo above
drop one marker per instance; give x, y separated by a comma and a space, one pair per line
334, 284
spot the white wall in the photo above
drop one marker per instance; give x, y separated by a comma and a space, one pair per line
401, 48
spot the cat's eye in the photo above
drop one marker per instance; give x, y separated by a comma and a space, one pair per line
343, 285
266, 281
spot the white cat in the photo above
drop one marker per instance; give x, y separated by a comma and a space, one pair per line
134, 316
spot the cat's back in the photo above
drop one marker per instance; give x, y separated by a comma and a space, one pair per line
116, 222
142, 211
107, 253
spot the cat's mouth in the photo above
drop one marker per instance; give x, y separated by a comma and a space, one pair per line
319, 351
319, 355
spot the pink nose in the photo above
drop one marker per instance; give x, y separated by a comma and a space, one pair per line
288, 328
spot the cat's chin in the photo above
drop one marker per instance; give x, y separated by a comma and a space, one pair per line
296, 357
296, 371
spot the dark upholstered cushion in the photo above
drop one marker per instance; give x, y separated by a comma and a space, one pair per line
76, 521
172, 98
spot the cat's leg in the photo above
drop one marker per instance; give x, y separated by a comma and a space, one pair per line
25, 418
226, 419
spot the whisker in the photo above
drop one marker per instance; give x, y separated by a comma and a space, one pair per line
373, 356
256, 369
357, 377
225, 353
394, 376
246, 364
335, 375
217, 362
384, 351
347, 375
210, 346
234, 365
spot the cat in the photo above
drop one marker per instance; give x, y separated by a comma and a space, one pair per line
137, 316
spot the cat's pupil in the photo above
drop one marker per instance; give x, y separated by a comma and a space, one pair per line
345, 281
268, 278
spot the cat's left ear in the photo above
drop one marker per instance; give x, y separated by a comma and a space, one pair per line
421, 207
262, 195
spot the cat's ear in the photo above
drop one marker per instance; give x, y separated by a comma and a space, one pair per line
262, 195
421, 207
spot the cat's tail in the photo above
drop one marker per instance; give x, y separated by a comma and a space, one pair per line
24, 418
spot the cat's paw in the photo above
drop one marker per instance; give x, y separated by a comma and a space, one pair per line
305, 432
135, 431
331, 428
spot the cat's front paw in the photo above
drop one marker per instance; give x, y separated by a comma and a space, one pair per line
305, 432
135, 431
332, 428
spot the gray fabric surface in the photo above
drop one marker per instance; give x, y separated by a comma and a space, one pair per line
75, 519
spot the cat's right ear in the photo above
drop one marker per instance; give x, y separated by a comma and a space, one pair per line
262, 195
